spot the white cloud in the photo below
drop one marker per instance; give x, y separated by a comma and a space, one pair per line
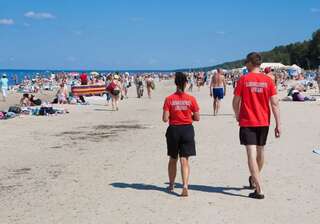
315, 10
7, 22
39, 15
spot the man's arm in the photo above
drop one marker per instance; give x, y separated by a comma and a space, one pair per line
276, 113
211, 85
236, 106
196, 116
224, 85
165, 116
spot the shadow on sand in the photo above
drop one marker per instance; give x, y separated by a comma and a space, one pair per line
201, 188
103, 110
219, 115
143, 187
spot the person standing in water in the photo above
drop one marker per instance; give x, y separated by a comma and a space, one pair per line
180, 110
251, 103
217, 90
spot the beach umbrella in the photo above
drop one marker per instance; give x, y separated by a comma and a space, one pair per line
94, 74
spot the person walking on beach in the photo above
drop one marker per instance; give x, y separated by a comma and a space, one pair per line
191, 82
4, 83
180, 110
251, 103
114, 88
150, 85
217, 90
139, 85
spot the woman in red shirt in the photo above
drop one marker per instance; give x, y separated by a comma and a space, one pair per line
180, 110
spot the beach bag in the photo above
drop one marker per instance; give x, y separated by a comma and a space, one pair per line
37, 102
111, 87
46, 110
15, 109
153, 86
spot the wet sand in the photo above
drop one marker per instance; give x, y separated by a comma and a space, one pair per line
98, 166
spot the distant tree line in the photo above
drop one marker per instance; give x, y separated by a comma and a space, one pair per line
305, 54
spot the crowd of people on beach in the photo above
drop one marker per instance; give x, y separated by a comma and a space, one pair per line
114, 88
255, 97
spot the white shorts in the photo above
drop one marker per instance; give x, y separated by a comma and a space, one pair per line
4, 92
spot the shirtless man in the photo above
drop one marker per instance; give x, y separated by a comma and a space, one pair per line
217, 90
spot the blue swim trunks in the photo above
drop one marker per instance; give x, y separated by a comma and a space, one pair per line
218, 93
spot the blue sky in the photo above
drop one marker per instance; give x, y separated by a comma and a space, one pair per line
146, 34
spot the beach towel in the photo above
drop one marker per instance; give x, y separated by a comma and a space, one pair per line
88, 90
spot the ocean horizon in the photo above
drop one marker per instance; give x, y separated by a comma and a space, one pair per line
21, 73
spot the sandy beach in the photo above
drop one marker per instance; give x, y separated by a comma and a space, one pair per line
97, 166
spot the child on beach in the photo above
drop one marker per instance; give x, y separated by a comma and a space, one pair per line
62, 94
180, 110
252, 98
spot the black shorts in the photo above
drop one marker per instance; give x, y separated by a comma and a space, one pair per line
115, 92
254, 135
180, 141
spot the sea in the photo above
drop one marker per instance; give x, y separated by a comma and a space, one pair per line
21, 74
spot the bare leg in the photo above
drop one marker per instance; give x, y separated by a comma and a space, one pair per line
172, 172
253, 166
260, 157
215, 107
149, 93
117, 102
185, 172
113, 102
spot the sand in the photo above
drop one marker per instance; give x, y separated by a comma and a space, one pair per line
98, 166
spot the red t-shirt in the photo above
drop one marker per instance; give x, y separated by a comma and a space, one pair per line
181, 107
83, 78
255, 90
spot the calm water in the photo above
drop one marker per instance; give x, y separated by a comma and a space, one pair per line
33, 73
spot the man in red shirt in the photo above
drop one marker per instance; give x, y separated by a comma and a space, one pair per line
180, 109
252, 98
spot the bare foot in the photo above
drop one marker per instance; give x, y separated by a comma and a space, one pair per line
171, 188
185, 192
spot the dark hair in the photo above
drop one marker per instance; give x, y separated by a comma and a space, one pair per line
254, 58
180, 80
25, 95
